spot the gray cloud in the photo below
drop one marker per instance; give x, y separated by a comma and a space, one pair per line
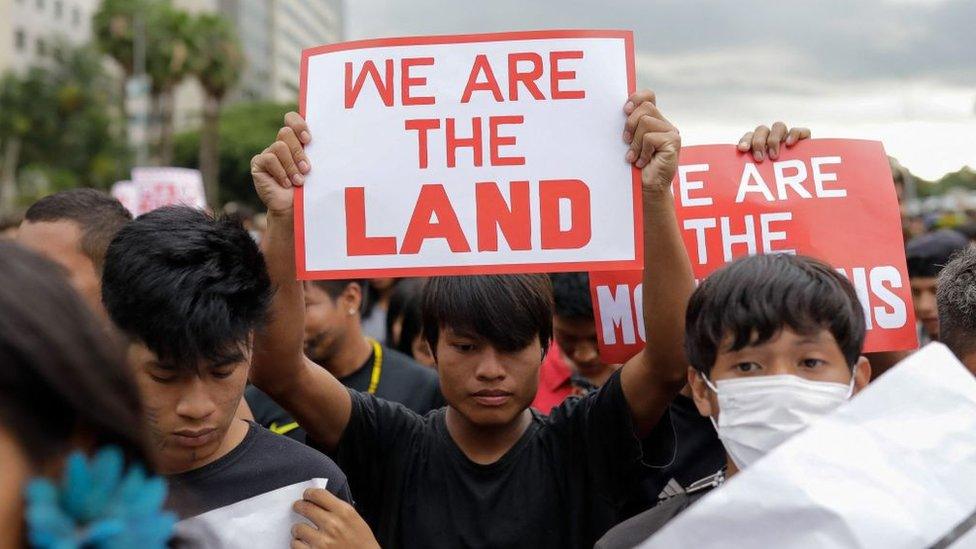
819, 44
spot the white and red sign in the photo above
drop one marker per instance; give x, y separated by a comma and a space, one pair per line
827, 198
126, 193
488, 153
158, 187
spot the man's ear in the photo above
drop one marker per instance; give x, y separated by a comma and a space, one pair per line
351, 299
421, 350
701, 394
862, 374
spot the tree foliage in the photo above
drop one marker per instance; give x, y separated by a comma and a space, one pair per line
245, 130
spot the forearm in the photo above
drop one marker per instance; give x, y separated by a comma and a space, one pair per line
667, 286
278, 349
653, 378
316, 399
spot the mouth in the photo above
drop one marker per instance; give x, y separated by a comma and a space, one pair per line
190, 438
492, 397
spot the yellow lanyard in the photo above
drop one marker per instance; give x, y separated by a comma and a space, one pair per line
374, 376
374, 382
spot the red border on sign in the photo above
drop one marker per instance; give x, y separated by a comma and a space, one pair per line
299, 201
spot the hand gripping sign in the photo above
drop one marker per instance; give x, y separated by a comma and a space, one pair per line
827, 198
488, 153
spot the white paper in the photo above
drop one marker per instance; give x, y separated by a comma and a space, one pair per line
368, 146
894, 468
263, 521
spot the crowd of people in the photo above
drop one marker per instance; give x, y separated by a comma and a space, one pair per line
157, 369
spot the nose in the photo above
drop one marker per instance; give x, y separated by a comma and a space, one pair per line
925, 304
195, 403
585, 353
490, 367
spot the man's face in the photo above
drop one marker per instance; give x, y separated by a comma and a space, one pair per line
488, 387
326, 323
576, 338
926, 310
815, 357
189, 412
60, 241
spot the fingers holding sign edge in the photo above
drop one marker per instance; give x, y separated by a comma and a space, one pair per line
298, 125
765, 142
633, 102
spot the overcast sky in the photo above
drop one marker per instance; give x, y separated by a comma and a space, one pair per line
902, 71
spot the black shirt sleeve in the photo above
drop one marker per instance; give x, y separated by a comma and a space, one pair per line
372, 450
598, 433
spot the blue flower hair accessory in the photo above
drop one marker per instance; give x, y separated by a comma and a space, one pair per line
98, 506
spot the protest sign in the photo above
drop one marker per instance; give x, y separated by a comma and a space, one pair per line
895, 467
158, 187
126, 193
488, 153
827, 198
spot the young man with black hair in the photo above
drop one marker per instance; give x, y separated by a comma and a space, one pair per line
74, 228
334, 339
190, 291
957, 306
926, 255
486, 471
572, 366
774, 342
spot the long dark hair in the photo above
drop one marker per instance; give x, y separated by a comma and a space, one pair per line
63, 378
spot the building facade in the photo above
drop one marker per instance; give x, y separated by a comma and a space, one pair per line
30, 30
296, 25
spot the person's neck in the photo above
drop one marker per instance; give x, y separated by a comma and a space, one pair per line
599, 376
485, 445
352, 353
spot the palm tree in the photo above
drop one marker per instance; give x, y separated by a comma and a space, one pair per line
217, 64
113, 26
167, 63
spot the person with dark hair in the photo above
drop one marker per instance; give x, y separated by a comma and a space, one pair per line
572, 366
190, 292
926, 256
486, 470
774, 342
403, 321
956, 300
334, 339
74, 228
64, 390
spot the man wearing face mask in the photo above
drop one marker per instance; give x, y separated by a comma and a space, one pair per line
774, 343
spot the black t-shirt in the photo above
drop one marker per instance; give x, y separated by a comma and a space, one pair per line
699, 454
401, 380
262, 462
561, 485
634, 531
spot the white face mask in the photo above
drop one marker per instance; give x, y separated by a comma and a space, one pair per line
756, 414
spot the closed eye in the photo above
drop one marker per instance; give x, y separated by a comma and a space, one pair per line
464, 347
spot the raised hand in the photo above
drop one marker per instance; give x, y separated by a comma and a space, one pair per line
283, 165
764, 142
654, 141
